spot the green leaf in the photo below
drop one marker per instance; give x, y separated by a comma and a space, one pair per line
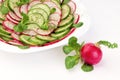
65, 1
4, 9
52, 10
71, 61
108, 44
78, 25
22, 2
23, 47
67, 49
87, 68
25, 18
45, 26
72, 41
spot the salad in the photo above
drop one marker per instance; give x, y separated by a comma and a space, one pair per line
37, 22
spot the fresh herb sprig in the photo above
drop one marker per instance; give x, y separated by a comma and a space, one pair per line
22, 25
4, 10
22, 2
73, 45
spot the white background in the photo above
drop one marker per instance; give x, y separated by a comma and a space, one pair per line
49, 65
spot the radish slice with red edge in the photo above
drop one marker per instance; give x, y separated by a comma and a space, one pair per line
55, 17
10, 19
13, 16
72, 6
76, 18
15, 36
33, 3
17, 12
23, 8
15, 42
54, 22
8, 25
29, 32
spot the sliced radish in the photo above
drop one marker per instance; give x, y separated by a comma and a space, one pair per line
10, 19
55, 17
54, 22
46, 32
53, 5
72, 6
23, 8
30, 32
17, 12
2, 40
76, 18
8, 25
15, 42
15, 36
33, 3
13, 16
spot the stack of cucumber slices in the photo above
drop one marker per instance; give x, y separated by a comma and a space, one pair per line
49, 22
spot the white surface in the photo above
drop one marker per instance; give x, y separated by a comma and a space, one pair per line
84, 17
49, 65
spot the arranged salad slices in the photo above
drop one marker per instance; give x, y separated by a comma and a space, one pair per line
36, 22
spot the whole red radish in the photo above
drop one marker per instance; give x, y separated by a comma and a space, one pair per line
91, 54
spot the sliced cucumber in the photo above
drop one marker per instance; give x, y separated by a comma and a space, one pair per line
61, 34
7, 39
36, 18
60, 29
2, 17
37, 41
42, 6
1, 21
46, 38
26, 39
3, 30
57, 3
4, 35
66, 21
41, 11
65, 11
12, 4
32, 26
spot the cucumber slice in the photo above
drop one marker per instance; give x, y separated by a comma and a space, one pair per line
12, 4
7, 39
46, 38
36, 18
37, 41
66, 21
4, 35
42, 6
26, 39
61, 34
57, 3
2, 17
41, 11
60, 29
65, 11
3, 30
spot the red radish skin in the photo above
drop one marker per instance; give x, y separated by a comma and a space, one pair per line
34, 2
8, 25
76, 18
30, 32
10, 19
72, 6
91, 54
15, 36
2, 40
15, 42
13, 16
54, 22
24, 9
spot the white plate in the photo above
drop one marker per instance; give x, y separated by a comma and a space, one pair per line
77, 33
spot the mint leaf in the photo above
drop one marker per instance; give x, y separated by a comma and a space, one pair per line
72, 41
87, 68
52, 10
25, 18
65, 1
44, 26
78, 25
67, 49
4, 9
22, 2
23, 47
71, 61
